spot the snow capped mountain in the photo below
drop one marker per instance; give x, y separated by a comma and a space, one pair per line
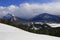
46, 17
9, 17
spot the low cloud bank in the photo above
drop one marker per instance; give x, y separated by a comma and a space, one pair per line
26, 10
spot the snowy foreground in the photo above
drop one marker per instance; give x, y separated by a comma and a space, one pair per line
11, 33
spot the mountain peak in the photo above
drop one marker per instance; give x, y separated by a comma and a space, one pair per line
9, 17
46, 17
44, 13
10, 14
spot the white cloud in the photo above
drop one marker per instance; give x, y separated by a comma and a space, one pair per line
29, 10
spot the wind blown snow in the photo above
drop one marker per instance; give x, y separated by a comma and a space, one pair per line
11, 33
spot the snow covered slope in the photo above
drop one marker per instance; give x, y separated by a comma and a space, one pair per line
54, 24
7, 28
11, 33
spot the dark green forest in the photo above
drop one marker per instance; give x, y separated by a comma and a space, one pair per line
47, 31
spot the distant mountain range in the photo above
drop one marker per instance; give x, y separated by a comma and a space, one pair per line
44, 17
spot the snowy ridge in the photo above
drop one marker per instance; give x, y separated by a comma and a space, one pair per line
11, 33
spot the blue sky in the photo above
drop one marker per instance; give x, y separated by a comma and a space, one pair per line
17, 2
31, 8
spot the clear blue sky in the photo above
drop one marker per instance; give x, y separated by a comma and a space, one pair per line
17, 2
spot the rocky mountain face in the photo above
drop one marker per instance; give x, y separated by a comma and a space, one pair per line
10, 17
45, 17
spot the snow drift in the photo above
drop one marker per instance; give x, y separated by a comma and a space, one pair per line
11, 33
54, 24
